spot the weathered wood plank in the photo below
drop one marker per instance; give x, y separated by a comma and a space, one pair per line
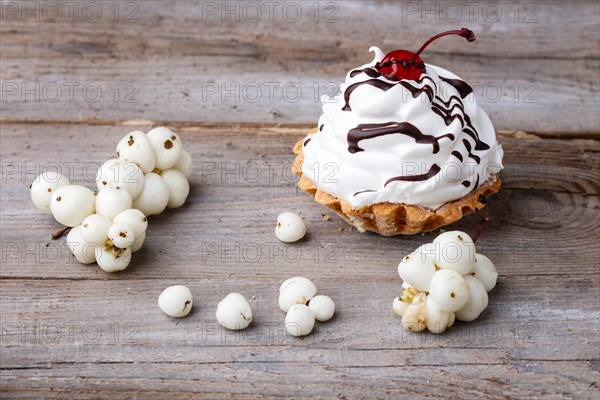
525, 334
182, 63
520, 323
240, 380
241, 181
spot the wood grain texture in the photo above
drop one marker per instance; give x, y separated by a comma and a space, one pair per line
72, 86
69, 329
535, 66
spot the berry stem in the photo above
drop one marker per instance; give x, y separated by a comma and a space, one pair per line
60, 232
464, 32
484, 220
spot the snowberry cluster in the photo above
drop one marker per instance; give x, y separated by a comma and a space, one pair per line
443, 281
149, 175
298, 298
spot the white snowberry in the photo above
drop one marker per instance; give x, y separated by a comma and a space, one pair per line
296, 290
184, 165
136, 148
118, 174
133, 218
110, 202
455, 250
176, 301
178, 185
94, 229
234, 312
121, 236
478, 300
449, 290
154, 197
323, 307
299, 320
290, 227
413, 318
43, 186
436, 319
70, 204
485, 272
417, 269
83, 251
138, 243
112, 259
399, 306
167, 147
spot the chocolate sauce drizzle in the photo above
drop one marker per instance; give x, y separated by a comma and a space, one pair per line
457, 155
379, 84
370, 131
450, 111
433, 171
462, 87
306, 142
321, 127
364, 191
373, 73
415, 91
468, 147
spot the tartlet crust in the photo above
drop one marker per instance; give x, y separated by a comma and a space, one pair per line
389, 219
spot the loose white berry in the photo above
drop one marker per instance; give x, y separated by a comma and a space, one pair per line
83, 251
413, 318
323, 307
110, 202
178, 185
118, 174
94, 229
455, 250
399, 306
417, 269
113, 259
485, 272
297, 280
449, 290
176, 301
296, 290
138, 243
478, 300
436, 319
70, 204
43, 187
184, 165
136, 148
300, 320
234, 312
167, 147
154, 197
121, 236
290, 227
133, 218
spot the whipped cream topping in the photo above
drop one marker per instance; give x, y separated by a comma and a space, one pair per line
423, 142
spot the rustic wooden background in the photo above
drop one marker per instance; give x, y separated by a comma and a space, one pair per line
74, 83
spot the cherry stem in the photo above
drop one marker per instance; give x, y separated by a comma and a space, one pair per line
60, 232
464, 32
484, 220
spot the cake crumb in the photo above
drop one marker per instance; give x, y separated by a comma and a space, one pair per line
326, 217
341, 229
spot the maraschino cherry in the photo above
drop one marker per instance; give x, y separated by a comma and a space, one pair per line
402, 64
